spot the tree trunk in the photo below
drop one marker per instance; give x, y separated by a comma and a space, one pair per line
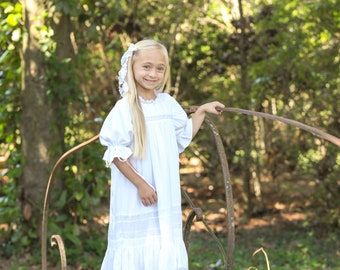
248, 130
63, 82
42, 128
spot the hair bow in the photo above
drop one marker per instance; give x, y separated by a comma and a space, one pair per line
123, 86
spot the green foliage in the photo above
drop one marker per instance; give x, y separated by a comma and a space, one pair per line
10, 71
291, 68
75, 209
18, 237
9, 214
289, 248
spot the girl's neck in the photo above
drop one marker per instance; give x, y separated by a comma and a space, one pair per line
150, 95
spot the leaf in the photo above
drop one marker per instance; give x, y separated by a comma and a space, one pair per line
74, 239
3, 56
78, 195
12, 20
62, 200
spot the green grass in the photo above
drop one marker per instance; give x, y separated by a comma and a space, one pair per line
287, 249
291, 247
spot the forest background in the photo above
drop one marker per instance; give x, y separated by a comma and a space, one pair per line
58, 80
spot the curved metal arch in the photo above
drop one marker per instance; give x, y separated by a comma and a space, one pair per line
226, 176
313, 130
45, 209
57, 240
227, 256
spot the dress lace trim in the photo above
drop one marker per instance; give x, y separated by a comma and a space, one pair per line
149, 101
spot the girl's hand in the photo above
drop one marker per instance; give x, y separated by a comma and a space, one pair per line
211, 107
147, 194
198, 117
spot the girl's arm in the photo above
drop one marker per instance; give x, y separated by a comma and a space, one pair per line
199, 115
146, 192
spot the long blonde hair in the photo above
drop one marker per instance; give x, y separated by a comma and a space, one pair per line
137, 115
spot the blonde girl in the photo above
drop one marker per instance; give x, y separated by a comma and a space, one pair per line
144, 134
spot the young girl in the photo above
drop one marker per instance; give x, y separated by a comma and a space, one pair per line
144, 134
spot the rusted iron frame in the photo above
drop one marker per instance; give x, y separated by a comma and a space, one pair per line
225, 169
231, 235
228, 256
197, 213
313, 130
228, 194
57, 240
45, 209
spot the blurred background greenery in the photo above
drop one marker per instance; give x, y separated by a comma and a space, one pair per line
58, 80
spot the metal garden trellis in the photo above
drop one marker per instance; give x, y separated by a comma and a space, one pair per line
196, 213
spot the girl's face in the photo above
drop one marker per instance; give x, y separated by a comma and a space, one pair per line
149, 70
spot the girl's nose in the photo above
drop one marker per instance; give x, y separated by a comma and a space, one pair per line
152, 72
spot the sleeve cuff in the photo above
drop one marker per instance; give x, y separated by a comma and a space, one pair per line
120, 152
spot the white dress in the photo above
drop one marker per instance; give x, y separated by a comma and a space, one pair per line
139, 237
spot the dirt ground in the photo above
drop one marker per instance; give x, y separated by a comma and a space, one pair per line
281, 206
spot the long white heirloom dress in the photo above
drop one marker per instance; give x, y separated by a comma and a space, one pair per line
139, 237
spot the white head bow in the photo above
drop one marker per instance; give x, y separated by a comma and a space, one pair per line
123, 86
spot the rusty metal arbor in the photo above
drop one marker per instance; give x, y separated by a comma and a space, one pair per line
196, 213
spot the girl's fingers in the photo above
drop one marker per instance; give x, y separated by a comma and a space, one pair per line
151, 201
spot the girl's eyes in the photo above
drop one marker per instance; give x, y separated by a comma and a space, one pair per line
159, 69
